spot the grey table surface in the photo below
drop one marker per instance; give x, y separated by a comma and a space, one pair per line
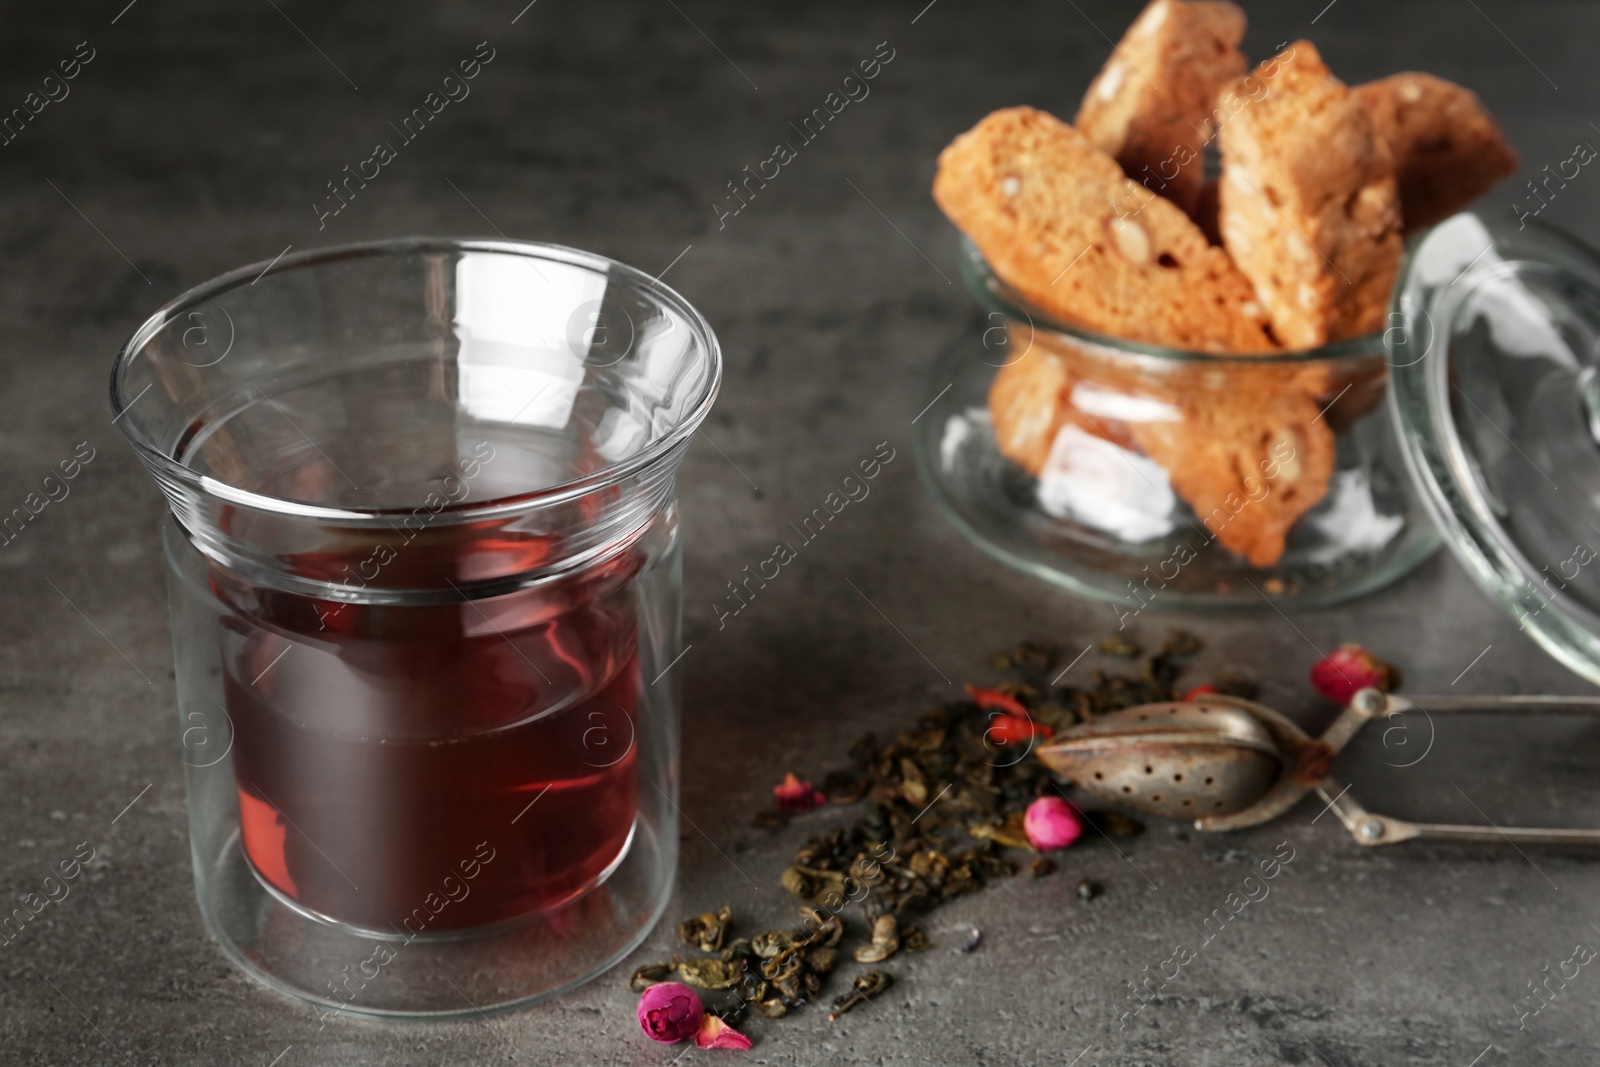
198, 138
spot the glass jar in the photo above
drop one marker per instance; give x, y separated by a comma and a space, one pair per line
1499, 409
1166, 479
425, 602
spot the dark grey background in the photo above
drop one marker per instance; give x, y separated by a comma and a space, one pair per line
197, 140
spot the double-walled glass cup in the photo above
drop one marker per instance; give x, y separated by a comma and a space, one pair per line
425, 601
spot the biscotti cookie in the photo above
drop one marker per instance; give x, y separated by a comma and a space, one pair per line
1037, 392
1028, 405
1153, 105
1057, 220
1248, 464
1447, 150
1308, 206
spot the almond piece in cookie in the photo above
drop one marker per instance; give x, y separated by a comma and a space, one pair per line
1057, 220
1308, 206
1151, 107
1249, 464
1447, 150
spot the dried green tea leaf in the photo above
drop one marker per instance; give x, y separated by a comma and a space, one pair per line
794, 981
1041, 867
885, 941
822, 959
650, 974
1008, 832
738, 949
913, 786
795, 881
820, 929
912, 939
867, 985
1116, 645
844, 787
707, 930
773, 943
771, 1008
930, 864
1081, 703
815, 885
992, 866
753, 989
962, 878
866, 870
1181, 643
925, 739
711, 973
1055, 716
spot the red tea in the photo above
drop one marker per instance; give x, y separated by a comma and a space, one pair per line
422, 767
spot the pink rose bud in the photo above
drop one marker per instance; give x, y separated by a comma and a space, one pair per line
1348, 669
714, 1033
1052, 823
794, 795
669, 1012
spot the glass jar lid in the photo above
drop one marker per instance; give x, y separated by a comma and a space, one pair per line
1494, 345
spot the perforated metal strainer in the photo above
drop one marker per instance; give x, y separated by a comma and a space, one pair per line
1229, 763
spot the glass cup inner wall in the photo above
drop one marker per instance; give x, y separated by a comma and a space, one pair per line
425, 588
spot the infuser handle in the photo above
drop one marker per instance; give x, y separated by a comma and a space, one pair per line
1511, 705
1370, 829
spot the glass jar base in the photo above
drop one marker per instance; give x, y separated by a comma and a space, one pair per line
1166, 561
340, 971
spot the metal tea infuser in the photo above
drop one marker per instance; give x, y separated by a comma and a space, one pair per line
1230, 763
1487, 318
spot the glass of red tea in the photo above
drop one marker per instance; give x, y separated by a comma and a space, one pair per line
425, 604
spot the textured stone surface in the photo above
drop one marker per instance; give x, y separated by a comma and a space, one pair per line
197, 139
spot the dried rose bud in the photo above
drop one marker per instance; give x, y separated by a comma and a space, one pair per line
714, 1033
1052, 823
794, 795
993, 699
1349, 669
1009, 729
670, 1012
1199, 691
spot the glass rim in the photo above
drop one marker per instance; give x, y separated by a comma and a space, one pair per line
155, 456
995, 293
